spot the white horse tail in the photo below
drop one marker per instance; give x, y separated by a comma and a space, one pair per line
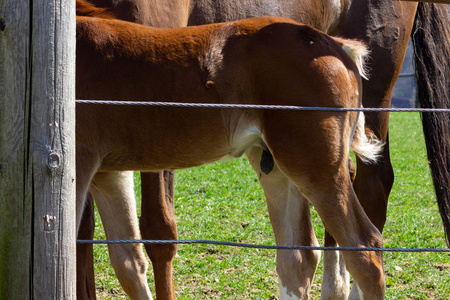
365, 144
358, 52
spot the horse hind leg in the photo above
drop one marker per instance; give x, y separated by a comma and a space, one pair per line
332, 195
291, 222
113, 193
336, 280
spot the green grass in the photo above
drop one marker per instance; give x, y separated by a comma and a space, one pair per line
224, 201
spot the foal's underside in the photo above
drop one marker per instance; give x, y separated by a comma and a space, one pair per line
267, 60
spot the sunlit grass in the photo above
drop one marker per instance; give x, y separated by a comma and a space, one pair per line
224, 201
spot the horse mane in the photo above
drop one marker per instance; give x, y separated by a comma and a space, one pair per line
87, 9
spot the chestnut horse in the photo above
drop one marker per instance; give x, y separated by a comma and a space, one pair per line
268, 60
385, 26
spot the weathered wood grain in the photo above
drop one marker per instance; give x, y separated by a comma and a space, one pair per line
37, 161
15, 197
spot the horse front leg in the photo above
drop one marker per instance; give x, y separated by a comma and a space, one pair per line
290, 216
157, 222
86, 166
373, 184
113, 193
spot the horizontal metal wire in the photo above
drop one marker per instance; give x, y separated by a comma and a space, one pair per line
253, 106
242, 245
407, 75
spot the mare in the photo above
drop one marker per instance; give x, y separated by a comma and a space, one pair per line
385, 26
268, 60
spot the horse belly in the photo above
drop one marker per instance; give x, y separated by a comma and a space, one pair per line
170, 138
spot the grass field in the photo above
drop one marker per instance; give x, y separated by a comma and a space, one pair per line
224, 202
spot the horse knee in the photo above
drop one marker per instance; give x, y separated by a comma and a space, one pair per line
154, 228
159, 254
130, 266
296, 269
162, 253
128, 257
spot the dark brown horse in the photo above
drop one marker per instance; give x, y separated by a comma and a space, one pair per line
385, 26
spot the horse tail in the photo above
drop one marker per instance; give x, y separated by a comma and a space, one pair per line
87, 9
358, 52
365, 144
431, 40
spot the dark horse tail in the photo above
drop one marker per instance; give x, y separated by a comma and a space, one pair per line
431, 39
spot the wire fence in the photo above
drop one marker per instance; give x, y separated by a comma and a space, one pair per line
256, 246
274, 107
254, 106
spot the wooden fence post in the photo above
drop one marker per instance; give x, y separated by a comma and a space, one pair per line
37, 149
